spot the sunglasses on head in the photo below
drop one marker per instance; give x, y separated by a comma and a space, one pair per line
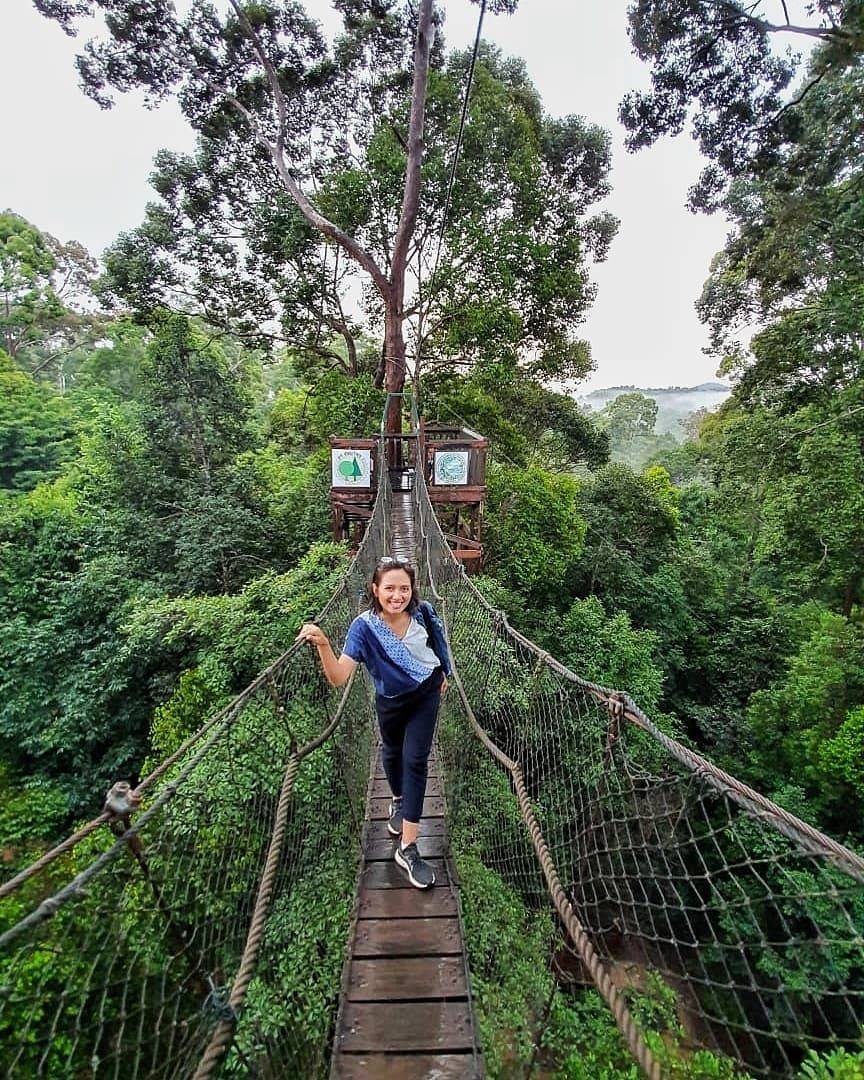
391, 560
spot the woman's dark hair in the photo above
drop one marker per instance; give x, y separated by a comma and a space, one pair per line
389, 563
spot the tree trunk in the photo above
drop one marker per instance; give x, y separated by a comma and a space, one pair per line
394, 301
394, 344
392, 289
394, 375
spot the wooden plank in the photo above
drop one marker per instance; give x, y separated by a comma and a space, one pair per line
406, 1067
407, 937
341, 443
387, 875
470, 493
402, 904
433, 760
401, 978
414, 1026
377, 830
434, 770
381, 789
379, 808
430, 847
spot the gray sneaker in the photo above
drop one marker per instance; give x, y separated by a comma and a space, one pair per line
420, 873
394, 820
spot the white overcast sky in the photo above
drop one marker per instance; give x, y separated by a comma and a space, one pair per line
81, 173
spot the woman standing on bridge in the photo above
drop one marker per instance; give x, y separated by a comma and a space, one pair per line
401, 641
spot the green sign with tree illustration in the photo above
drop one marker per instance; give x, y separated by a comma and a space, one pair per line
351, 468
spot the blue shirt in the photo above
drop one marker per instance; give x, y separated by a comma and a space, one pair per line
393, 668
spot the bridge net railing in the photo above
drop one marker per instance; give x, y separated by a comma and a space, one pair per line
208, 936
676, 871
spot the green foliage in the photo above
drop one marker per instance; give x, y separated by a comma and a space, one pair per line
198, 694
72, 708
832, 1065
715, 65
508, 946
333, 406
305, 945
842, 755
36, 429
29, 811
48, 317
608, 650
808, 722
534, 531
524, 421
593, 1046
631, 525
627, 417
167, 474
229, 639
29, 300
502, 598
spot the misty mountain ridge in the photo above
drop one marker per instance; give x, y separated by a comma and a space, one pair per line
674, 403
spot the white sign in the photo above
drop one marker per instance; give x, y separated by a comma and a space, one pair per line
451, 467
351, 468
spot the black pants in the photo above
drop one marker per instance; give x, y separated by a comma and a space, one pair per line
407, 724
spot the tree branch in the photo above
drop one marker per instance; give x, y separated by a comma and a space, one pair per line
411, 197
795, 101
822, 32
276, 151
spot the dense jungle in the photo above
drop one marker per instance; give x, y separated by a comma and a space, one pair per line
165, 414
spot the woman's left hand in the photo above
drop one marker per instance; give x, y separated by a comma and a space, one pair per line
444, 685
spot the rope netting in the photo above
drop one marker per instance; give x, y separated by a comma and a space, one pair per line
675, 873
206, 929
201, 927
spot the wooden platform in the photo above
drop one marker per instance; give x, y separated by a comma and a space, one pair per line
405, 1012
402, 527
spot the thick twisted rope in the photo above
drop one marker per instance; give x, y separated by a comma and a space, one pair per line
587, 953
223, 1034
813, 840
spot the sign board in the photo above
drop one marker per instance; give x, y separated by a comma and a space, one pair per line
451, 467
351, 468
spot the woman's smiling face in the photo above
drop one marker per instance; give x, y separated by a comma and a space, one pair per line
393, 591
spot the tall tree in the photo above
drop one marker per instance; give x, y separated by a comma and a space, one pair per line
48, 310
714, 61
266, 234
261, 77
28, 300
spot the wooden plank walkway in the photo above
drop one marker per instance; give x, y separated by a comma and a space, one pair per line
402, 526
405, 1012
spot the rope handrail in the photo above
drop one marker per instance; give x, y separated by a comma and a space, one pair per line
224, 1032
186, 933
647, 859
587, 952
683, 873
820, 842
600, 976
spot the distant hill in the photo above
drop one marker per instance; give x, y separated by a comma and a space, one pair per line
673, 402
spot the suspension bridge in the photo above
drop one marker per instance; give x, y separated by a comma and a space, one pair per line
238, 914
